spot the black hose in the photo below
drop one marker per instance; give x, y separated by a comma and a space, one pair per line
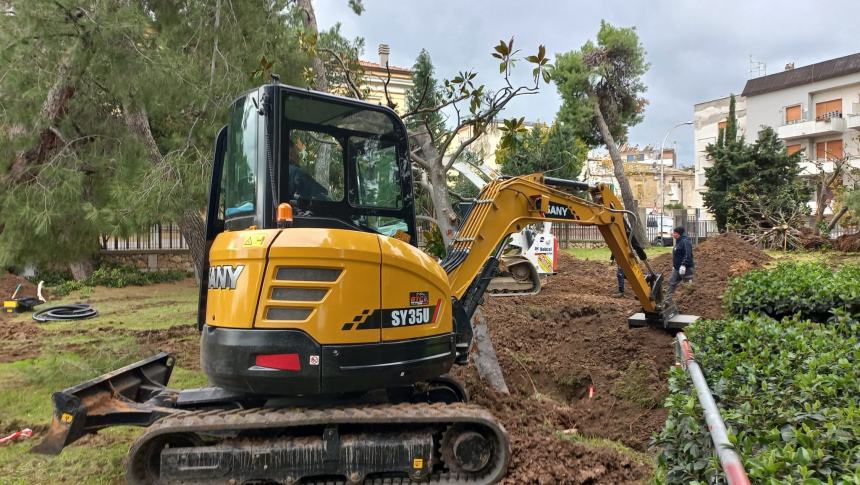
77, 311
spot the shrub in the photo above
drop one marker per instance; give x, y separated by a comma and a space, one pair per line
809, 290
788, 391
114, 276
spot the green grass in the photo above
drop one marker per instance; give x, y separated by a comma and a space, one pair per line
73, 352
593, 442
603, 253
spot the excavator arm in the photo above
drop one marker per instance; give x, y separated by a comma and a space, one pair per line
506, 205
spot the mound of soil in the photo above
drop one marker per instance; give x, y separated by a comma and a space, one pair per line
553, 347
847, 243
717, 260
572, 338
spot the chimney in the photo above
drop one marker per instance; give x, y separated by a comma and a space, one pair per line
789, 66
384, 50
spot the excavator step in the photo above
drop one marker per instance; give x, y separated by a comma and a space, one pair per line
676, 322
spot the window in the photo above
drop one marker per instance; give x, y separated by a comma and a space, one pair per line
378, 178
631, 158
829, 150
828, 109
792, 149
721, 125
316, 166
792, 114
239, 180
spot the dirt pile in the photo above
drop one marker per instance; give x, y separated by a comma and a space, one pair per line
847, 243
553, 347
717, 260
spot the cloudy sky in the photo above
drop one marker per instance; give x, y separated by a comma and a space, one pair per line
697, 50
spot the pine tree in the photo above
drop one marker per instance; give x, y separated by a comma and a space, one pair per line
425, 93
554, 150
113, 128
731, 130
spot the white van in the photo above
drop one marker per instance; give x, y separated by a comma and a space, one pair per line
661, 227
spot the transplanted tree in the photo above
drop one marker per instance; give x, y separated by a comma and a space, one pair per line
601, 89
554, 150
474, 107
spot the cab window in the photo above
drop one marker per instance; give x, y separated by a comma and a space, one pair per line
239, 180
378, 177
316, 169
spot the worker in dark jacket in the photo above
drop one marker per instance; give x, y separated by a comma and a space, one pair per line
682, 259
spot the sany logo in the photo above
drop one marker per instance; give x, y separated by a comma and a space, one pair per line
224, 277
560, 211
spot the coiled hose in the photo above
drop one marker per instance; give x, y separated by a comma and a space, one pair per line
77, 311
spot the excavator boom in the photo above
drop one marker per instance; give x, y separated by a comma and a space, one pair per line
506, 205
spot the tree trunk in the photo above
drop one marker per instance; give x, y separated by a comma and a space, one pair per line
484, 355
323, 159
193, 229
630, 202
191, 224
81, 269
54, 109
310, 23
437, 178
836, 217
442, 209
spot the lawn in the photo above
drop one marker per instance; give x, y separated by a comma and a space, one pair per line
603, 253
132, 324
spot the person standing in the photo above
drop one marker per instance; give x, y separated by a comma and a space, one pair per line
682, 259
619, 275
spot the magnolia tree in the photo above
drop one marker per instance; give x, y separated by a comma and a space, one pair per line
470, 108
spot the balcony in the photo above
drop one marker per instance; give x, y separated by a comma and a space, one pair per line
833, 124
853, 120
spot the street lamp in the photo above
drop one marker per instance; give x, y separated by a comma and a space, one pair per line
662, 181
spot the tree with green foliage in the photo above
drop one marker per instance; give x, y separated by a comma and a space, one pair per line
755, 187
726, 154
112, 130
749, 185
601, 89
423, 96
554, 150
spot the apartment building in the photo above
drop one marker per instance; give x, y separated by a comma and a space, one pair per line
814, 109
708, 118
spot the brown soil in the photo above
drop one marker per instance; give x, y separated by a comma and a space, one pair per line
20, 340
573, 335
717, 260
847, 243
183, 341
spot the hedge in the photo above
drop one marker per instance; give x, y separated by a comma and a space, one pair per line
810, 290
788, 389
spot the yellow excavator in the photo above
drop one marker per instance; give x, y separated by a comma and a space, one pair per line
326, 333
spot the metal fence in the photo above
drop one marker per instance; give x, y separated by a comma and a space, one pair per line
160, 237
568, 234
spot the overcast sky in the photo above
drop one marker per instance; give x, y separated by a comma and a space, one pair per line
698, 50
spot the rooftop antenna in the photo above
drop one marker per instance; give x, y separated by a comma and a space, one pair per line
757, 68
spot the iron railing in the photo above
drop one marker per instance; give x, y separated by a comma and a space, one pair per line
159, 237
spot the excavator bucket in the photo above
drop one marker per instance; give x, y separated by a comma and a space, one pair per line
666, 315
121, 397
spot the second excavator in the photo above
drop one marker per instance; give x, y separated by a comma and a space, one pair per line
326, 333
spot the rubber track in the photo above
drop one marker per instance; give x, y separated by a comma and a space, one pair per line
267, 418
